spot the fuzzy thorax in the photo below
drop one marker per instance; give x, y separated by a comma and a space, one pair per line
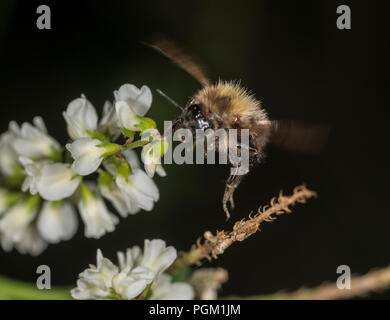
230, 101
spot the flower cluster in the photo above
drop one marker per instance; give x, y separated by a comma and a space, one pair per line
41, 182
140, 275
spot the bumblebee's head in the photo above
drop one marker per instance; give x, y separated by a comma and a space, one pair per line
193, 118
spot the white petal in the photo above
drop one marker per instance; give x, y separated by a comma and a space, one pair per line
57, 182
16, 220
135, 288
117, 200
8, 155
109, 121
126, 92
132, 158
108, 111
14, 128
143, 102
28, 183
86, 154
127, 118
81, 117
150, 169
145, 184
160, 171
31, 242
139, 99
97, 219
164, 289
33, 143
132, 258
57, 222
25, 161
157, 257
140, 189
95, 282
134, 197
25, 147
73, 129
132, 284
34, 171
105, 267
40, 124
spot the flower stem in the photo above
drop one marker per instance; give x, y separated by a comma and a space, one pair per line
18, 290
136, 144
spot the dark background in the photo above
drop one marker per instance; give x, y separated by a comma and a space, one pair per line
291, 55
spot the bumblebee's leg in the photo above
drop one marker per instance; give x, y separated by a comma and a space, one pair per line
234, 181
231, 185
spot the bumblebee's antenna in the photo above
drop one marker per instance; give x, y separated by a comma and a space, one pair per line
169, 99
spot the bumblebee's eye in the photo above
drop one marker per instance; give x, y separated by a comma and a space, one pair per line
196, 113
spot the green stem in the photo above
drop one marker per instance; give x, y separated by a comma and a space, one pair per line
18, 290
136, 144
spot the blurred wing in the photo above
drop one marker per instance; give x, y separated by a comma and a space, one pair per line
171, 50
299, 136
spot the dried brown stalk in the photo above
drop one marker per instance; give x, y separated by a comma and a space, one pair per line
361, 285
214, 245
374, 280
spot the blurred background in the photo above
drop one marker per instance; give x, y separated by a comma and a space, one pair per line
292, 56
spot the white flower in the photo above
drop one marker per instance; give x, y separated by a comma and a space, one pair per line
127, 118
139, 99
132, 102
33, 141
57, 181
53, 181
118, 200
31, 242
129, 193
109, 122
130, 259
164, 289
15, 221
7, 199
157, 256
33, 170
87, 155
95, 215
138, 276
131, 158
57, 221
131, 284
95, 282
151, 157
8, 156
81, 117
139, 190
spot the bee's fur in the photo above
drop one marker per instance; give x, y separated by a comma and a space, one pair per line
229, 105
228, 99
